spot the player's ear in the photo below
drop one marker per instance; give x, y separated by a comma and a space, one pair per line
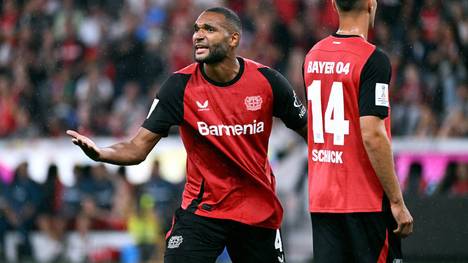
370, 6
235, 39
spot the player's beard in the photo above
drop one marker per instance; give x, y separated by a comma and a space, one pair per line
217, 53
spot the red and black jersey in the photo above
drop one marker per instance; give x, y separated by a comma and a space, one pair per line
346, 78
225, 129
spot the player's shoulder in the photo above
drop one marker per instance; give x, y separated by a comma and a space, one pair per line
181, 76
190, 69
379, 57
249, 63
378, 60
176, 82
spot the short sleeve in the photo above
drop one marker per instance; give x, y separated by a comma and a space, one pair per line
374, 86
168, 107
286, 105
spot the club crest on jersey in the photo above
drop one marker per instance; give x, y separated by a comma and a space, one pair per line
175, 241
253, 103
202, 106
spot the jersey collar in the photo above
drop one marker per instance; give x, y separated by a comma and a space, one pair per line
345, 36
225, 84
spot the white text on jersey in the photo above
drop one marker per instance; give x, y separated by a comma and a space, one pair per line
328, 67
327, 156
230, 130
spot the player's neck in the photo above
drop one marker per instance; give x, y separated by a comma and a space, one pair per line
223, 71
354, 25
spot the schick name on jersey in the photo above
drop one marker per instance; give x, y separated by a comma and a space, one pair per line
328, 67
230, 130
327, 156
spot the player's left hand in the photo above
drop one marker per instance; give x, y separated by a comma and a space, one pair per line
404, 220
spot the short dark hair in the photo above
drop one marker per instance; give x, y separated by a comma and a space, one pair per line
348, 5
231, 17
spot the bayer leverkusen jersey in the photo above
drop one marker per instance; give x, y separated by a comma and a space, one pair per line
225, 129
346, 78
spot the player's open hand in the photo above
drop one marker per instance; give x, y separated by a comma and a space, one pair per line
404, 220
86, 144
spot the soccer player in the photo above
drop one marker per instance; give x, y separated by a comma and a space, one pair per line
223, 105
357, 209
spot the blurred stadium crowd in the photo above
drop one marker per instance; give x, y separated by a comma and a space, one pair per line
98, 200
96, 66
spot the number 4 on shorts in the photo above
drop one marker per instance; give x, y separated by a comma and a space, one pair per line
279, 246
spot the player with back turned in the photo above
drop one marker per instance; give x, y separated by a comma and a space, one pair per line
223, 105
357, 209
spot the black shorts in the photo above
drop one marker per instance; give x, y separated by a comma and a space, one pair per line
355, 237
197, 239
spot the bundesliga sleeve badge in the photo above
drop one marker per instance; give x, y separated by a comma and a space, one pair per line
381, 95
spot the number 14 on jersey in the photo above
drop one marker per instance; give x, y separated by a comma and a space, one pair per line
334, 114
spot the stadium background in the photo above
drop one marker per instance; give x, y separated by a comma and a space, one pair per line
95, 66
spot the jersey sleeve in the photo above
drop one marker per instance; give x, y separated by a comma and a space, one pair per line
168, 107
373, 91
286, 105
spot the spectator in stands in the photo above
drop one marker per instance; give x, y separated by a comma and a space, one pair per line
455, 180
415, 185
448, 180
59, 90
145, 228
98, 196
128, 109
70, 49
456, 122
127, 53
8, 107
49, 220
72, 196
94, 93
123, 199
79, 246
165, 195
20, 209
460, 187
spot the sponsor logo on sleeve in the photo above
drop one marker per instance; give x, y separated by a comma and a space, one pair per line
381, 95
253, 103
298, 104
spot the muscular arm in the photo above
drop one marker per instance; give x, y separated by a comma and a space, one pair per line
130, 152
378, 149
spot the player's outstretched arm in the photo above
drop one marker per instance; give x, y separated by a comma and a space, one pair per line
130, 152
379, 151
